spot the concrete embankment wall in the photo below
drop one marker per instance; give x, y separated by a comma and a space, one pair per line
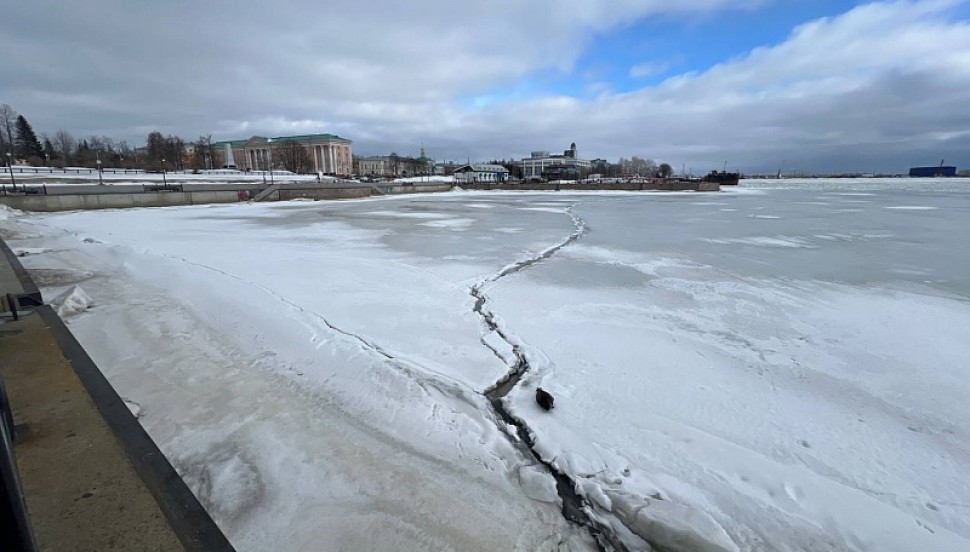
413, 188
70, 202
320, 193
671, 186
110, 199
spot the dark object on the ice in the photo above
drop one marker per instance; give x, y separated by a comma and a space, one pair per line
544, 399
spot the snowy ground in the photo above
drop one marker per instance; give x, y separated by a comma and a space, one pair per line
776, 367
432, 179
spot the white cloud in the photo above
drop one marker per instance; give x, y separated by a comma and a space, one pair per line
648, 69
884, 85
882, 81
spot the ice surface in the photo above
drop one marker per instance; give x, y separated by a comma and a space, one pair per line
723, 381
537, 484
134, 408
24, 251
671, 526
71, 302
8, 212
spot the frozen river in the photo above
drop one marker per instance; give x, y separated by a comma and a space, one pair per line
780, 366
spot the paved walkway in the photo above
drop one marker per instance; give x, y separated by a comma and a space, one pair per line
91, 476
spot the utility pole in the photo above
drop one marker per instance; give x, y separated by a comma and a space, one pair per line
10, 168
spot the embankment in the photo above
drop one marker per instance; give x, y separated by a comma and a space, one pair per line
63, 198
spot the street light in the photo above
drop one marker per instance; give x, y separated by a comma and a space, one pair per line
10, 168
100, 179
164, 180
48, 156
270, 140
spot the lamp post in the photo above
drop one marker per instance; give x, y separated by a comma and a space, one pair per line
270, 140
48, 157
10, 168
100, 179
164, 180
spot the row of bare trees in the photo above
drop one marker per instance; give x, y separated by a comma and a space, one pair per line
62, 149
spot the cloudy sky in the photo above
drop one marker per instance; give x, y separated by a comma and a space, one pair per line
809, 85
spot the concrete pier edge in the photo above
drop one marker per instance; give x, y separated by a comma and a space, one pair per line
108, 198
191, 523
26, 282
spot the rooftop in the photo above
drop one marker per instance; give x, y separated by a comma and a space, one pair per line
299, 137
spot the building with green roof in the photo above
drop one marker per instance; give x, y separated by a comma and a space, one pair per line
321, 153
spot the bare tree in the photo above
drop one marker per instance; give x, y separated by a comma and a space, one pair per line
85, 155
8, 118
637, 166
176, 148
170, 148
126, 155
65, 144
293, 157
202, 155
155, 144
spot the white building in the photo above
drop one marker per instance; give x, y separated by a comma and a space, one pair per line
373, 166
481, 172
394, 165
540, 162
329, 153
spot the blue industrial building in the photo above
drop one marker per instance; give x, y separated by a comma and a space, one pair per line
933, 171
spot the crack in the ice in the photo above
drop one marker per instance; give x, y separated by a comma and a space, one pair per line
574, 506
422, 376
581, 229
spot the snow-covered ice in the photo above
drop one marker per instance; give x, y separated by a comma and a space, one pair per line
723, 380
71, 302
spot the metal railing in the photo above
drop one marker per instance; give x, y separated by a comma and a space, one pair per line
69, 170
16, 533
22, 189
161, 187
120, 170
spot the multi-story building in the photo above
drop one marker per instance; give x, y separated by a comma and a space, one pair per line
540, 163
481, 172
393, 166
330, 154
375, 165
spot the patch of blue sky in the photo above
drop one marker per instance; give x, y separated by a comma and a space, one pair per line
651, 50
648, 51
